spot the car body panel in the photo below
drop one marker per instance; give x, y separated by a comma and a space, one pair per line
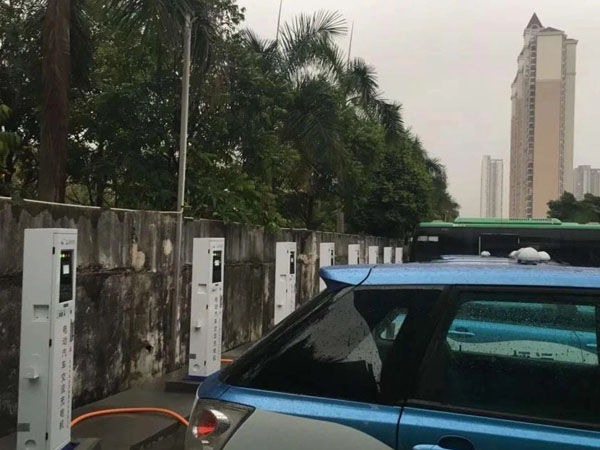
350, 276
211, 387
422, 426
265, 430
461, 273
378, 421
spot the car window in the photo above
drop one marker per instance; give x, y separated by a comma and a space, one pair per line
337, 351
536, 357
544, 331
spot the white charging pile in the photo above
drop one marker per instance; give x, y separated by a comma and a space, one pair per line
206, 312
387, 255
373, 254
353, 254
326, 258
399, 255
285, 280
47, 338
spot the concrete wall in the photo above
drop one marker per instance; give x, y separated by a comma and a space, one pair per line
125, 287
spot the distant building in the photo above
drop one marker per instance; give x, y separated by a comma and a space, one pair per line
542, 123
492, 172
595, 182
586, 181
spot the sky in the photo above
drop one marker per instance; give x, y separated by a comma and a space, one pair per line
450, 64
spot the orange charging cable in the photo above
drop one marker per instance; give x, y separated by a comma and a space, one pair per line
105, 412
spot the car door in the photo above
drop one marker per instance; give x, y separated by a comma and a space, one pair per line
528, 379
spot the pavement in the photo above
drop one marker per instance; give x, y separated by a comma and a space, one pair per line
137, 431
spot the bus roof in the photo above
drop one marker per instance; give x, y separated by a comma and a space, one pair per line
465, 222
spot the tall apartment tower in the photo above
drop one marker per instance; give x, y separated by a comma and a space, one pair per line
542, 123
490, 203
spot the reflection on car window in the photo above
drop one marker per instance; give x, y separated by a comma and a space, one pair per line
536, 357
544, 331
392, 326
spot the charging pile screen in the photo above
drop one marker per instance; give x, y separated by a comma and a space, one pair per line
217, 261
65, 292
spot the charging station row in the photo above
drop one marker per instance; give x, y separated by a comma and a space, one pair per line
373, 255
48, 321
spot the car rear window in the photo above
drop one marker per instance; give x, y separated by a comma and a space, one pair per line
338, 350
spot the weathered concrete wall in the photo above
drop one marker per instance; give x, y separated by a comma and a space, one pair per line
125, 288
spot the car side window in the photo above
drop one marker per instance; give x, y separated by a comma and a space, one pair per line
338, 351
529, 358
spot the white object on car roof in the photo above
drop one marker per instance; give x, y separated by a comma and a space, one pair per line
530, 255
544, 256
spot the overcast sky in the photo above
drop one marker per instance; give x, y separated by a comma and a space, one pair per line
451, 62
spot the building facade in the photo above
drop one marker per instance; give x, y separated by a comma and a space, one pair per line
542, 122
586, 180
492, 175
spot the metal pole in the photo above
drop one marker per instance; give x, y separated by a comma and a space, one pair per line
183, 135
278, 21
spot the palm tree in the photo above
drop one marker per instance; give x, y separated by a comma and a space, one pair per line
161, 22
307, 50
359, 82
325, 85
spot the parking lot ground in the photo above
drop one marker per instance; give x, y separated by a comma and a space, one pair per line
137, 431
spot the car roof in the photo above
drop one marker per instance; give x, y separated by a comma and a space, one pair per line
463, 271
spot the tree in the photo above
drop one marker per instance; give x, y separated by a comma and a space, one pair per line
125, 129
443, 205
9, 146
569, 209
286, 133
56, 67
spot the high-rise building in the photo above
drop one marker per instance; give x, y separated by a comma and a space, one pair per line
542, 123
492, 172
586, 181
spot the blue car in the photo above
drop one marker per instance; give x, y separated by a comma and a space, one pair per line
458, 354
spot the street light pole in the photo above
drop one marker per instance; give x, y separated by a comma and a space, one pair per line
183, 137
350, 44
278, 22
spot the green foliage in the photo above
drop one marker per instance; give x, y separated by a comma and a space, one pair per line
15, 158
8, 140
569, 209
286, 133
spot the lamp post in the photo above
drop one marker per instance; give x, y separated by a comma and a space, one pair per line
183, 137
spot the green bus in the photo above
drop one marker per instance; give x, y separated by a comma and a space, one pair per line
567, 243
